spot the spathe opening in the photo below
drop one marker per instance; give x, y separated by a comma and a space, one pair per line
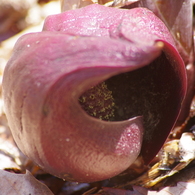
139, 92
150, 91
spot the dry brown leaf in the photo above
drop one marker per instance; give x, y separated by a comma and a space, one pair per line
15, 184
75, 4
182, 188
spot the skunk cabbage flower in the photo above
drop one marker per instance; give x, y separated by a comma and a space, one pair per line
93, 89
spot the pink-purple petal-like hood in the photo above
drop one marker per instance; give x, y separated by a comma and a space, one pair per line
77, 50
